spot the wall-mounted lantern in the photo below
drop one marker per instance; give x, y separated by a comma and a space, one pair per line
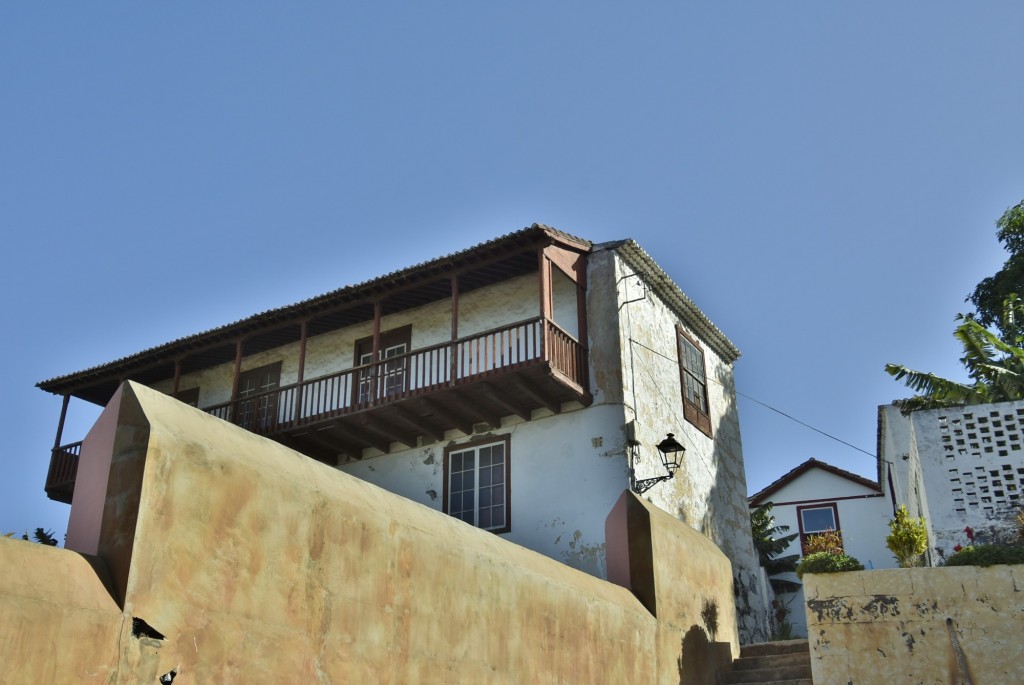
671, 458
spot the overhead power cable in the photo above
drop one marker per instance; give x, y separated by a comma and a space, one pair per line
763, 404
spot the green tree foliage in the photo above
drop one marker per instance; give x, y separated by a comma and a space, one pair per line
991, 292
994, 364
908, 538
771, 541
41, 535
987, 555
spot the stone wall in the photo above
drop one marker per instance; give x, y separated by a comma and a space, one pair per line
225, 557
921, 626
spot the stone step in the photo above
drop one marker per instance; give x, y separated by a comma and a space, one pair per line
769, 675
780, 647
772, 663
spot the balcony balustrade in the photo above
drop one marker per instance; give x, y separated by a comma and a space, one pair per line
511, 370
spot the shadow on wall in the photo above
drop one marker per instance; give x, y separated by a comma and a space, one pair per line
701, 661
730, 529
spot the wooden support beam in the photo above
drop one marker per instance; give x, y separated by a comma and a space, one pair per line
429, 429
177, 377
303, 333
354, 428
494, 393
462, 423
525, 386
60, 423
376, 422
476, 409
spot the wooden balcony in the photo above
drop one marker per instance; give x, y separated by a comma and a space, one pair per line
508, 371
60, 479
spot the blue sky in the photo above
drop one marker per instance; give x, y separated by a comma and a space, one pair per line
821, 178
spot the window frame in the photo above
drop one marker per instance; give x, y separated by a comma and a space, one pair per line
259, 413
189, 396
475, 445
804, 534
391, 339
700, 418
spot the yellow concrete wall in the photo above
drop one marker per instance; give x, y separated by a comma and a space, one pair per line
919, 626
259, 565
58, 623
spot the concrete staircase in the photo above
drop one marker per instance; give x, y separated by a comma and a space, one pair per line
773, 663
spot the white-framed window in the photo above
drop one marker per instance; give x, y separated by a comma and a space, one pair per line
476, 484
386, 379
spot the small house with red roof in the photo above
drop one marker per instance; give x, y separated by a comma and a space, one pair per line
816, 497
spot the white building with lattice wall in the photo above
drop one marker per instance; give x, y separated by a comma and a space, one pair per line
960, 467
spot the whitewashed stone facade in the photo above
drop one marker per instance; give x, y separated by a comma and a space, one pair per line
567, 464
958, 467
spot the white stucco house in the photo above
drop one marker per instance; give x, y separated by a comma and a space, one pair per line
958, 467
519, 385
816, 497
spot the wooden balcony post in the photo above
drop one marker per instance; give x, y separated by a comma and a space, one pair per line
304, 331
234, 380
177, 377
378, 310
454, 350
582, 360
60, 423
544, 269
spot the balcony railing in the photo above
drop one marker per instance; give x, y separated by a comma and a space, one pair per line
409, 375
443, 371
60, 479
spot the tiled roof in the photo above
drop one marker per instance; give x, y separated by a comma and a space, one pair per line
759, 498
670, 293
309, 306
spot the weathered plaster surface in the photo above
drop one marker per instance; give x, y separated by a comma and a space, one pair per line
569, 467
959, 467
709, 494
246, 562
567, 471
922, 626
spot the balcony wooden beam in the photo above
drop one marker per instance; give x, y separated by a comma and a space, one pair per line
494, 393
528, 388
427, 427
463, 423
476, 409
379, 424
353, 429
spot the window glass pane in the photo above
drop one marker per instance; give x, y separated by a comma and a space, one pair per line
478, 499
817, 520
